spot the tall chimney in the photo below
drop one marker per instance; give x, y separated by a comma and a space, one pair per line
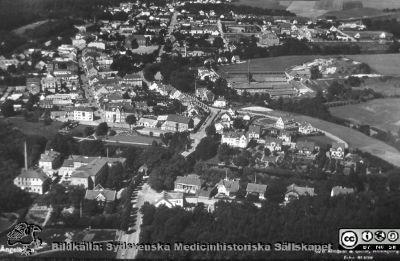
26, 156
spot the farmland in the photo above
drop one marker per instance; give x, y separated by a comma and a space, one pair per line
381, 113
386, 64
273, 4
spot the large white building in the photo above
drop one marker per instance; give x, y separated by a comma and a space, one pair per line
235, 139
83, 114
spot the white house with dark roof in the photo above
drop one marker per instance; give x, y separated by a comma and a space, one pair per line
339, 190
227, 187
49, 160
285, 124
294, 192
32, 180
83, 114
190, 184
254, 132
256, 189
306, 128
101, 195
147, 122
177, 123
235, 139
170, 199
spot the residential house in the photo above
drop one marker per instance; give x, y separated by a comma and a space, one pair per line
254, 132
235, 139
49, 160
256, 189
32, 180
117, 112
170, 199
49, 83
219, 128
337, 150
177, 123
306, 128
286, 124
205, 95
220, 103
190, 184
227, 187
83, 114
305, 147
273, 144
294, 192
33, 85
235, 59
91, 174
339, 190
101, 195
140, 39
147, 122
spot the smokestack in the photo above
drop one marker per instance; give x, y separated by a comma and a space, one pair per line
26, 156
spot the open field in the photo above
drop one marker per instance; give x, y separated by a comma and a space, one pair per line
35, 128
381, 4
273, 64
21, 30
386, 64
381, 113
353, 13
306, 9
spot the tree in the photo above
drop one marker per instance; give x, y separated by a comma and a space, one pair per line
91, 147
7, 108
134, 44
218, 43
131, 120
315, 73
210, 130
87, 131
102, 129
238, 123
206, 149
115, 176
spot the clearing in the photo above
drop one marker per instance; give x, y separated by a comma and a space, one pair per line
385, 64
379, 113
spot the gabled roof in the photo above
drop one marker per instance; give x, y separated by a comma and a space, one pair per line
108, 194
234, 134
191, 179
301, 191
167, 196
337, 145
178, 118
339, 190
33, 174
230, 185
256, 188
254, 129
49, 155
91, 169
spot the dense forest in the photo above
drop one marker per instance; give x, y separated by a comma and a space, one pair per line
308, 220
16, 13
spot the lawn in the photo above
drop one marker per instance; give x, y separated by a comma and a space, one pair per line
273, 4
35, 128
380, 113
321, 141
385, 64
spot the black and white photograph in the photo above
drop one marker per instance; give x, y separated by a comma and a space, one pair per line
200, 129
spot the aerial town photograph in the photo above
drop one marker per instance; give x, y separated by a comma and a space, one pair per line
200, 129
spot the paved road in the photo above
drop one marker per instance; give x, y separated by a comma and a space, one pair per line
144, 193
169, 30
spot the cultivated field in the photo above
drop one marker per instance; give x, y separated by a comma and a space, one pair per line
322, 141
306, 9
387, 86
381, 113
353, 13
273, 4
386, 64
381, 4
35, 128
